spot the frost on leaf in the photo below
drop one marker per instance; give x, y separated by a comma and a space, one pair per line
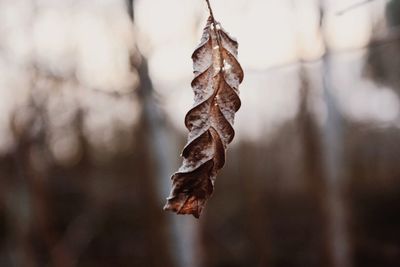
210, 121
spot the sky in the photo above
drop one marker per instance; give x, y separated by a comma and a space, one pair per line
90, 42
271, 33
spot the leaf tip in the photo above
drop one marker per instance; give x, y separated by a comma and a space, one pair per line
184, 206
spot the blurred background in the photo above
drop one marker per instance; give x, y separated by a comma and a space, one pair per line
92, 100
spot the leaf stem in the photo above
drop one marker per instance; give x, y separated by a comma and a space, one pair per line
210, 10
221, 62
214, 23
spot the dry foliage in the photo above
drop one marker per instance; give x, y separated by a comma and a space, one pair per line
210, 121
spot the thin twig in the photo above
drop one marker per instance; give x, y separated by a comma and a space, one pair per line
210, 10
353, 6
217, 36
214, 24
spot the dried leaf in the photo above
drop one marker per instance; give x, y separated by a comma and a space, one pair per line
210, 121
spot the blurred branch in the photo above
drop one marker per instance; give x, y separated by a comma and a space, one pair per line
392, 36
79, 234
129, 6
353, 6
114, 94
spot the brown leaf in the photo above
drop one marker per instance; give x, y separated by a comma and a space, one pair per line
210, 121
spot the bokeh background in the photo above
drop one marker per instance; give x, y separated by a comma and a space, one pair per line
92, 99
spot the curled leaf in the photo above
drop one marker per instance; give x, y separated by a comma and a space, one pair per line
210, 121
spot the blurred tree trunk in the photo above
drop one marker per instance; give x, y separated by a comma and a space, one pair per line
182, 242
334, 164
